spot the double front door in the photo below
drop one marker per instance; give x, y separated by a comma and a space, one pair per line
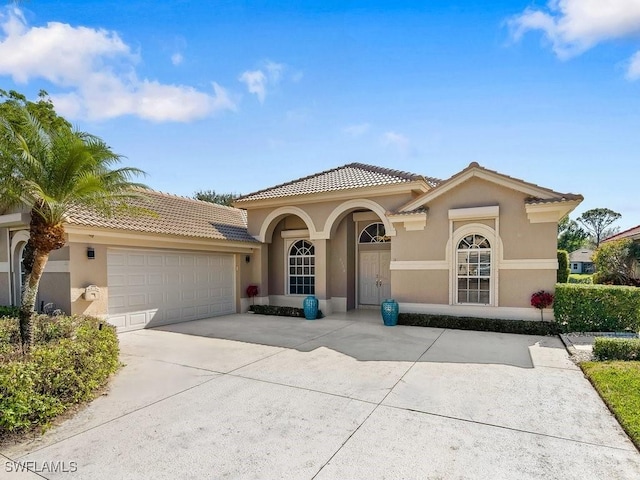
374, 278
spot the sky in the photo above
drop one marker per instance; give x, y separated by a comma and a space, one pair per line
236, 96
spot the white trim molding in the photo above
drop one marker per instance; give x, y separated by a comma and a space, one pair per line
4, 267
529, 264
549, 212
302, 233
15, 220
351, 205
412, 222
266, 230
419, 265
474, 213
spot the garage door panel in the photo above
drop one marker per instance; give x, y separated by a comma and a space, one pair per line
157, 287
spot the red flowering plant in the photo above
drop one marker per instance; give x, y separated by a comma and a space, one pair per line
541, 300
252, 291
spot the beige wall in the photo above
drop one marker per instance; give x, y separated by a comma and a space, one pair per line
420, 286
85, 272
54, 288
276, 261
5, 279
516, 286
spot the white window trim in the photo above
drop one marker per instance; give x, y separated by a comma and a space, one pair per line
288, 242
454, 238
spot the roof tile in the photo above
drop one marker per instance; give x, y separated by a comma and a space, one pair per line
353, 175
173, 215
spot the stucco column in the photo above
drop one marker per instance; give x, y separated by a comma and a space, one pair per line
262, 275
322, 257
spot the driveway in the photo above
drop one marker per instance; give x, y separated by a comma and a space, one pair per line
249, 396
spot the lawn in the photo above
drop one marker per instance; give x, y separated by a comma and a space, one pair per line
618, 383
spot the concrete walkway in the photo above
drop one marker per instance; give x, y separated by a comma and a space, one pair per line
248, 396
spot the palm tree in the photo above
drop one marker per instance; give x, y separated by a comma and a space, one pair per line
51, 171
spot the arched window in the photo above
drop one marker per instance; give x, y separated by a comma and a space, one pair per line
302, 268
473, 267
374, 233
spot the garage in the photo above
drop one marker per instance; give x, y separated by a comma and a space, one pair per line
155, 287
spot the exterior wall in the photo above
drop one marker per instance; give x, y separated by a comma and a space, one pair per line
519, 240
85, 272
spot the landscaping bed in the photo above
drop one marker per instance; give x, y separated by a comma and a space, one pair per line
71, 359
279, 311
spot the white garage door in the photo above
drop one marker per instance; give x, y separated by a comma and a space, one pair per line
159, 287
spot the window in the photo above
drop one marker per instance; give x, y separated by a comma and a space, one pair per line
473, 267
374, 233
302, 268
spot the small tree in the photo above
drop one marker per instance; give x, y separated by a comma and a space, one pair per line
571, 236
563, 266
597, 221
617, 262
212, 197
51, 169
541, 300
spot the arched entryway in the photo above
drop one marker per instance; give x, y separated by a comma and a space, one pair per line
18, 244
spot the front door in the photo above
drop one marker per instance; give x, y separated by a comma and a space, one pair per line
375, 278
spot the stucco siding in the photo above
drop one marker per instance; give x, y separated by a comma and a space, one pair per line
85, 272
516, 286
420, 286
54, 288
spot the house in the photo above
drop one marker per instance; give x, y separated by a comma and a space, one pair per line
632, 233
580, 261
477, 244
185, 261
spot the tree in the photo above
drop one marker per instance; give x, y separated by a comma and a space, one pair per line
596, 222
13, 103
617, 262
570, 236
50, 169
212, 197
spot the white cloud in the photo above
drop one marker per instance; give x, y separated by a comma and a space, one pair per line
397, 140
574, 26
97, 68
633, 72
357, 129
177, 59
259, 82
256, 82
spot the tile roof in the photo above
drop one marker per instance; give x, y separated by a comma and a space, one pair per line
173, 215
353, 175
633, 233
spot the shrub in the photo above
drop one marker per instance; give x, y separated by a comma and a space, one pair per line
280, 311
616, 348
524, 327
563, 266
72, 357
597, 308
581, 278
617, 261
8, 311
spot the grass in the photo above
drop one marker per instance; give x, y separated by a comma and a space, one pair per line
618, 383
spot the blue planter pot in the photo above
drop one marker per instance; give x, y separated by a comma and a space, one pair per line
389, 310
310, 306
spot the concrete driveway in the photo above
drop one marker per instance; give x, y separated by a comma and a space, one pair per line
248, 396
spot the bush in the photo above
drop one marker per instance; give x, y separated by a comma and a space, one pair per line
71, 358
279, 311
616, 348
581, 278
597, 308
525, 327
617, 261
8, 311
563, 266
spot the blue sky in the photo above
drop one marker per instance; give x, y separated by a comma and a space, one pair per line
238, 96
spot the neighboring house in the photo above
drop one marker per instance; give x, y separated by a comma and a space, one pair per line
632, 233
477, 244
580, 261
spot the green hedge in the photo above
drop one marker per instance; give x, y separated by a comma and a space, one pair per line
72, 358
279, 311
581, 278
8, 311
563, 266
597, 308
524, 327
616, 348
